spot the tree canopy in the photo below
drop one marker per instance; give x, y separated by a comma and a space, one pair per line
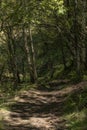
37, 35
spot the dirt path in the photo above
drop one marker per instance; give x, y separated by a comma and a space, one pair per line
37, 110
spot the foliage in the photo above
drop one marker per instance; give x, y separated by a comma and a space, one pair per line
77, 120
75, 110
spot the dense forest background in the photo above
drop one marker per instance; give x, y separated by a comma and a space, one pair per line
42, 39
42, 43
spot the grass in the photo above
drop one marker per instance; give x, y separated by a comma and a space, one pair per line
27, 86
77, 120
75, 111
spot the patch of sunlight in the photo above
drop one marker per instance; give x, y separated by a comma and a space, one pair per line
4, 115
61, 7
39, 122
4, 112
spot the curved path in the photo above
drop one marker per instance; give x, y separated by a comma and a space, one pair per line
37, 110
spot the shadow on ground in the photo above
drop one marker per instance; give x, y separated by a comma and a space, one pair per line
38, 110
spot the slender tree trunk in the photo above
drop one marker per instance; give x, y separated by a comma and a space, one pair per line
30, 58
76, 42
63, 54
1, 71
12, 57
33, 56
28, 55
84, 47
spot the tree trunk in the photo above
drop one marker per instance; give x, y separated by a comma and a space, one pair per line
33, 56
1, 71
12, 56
84, 47
76, 42
28, 55
63, 54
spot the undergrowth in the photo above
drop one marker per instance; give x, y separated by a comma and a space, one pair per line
76, 111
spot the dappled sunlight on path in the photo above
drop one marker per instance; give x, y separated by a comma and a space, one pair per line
37, 110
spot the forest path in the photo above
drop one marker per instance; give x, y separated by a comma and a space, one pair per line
37, 110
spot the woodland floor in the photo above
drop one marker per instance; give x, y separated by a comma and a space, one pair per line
38, 110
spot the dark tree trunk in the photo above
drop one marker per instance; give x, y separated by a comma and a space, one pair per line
1, 71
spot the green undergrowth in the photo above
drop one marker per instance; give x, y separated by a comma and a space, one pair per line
7, 93
1, 125
75, 111
77, 120
68, 73
27, 86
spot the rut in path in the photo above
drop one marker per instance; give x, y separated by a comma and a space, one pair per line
38, 110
